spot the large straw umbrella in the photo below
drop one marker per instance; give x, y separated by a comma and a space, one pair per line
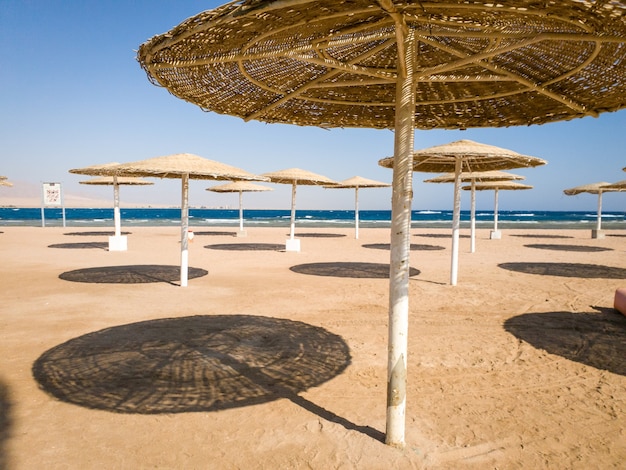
464, 156
496, 186
363, 63
593, 188
183, 166
239, 187
357, 182
473, 178
295, 177
117, 242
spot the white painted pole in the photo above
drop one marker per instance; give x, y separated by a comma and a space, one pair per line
116, 207
473, 219
293, 211
356, 213
495, 210
241, 211
400, 242
184, 232
456, 222
599, 219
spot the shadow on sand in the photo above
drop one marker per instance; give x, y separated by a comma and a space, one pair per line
81, 246
589, 271
594, 339
318, 235
343, 269
133, 274
195, 364
538, 235
580, 248
6, 423
438, 235
247, 247
94, 234
414, 247
213, 233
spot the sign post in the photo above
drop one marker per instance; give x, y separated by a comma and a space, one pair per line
52, 196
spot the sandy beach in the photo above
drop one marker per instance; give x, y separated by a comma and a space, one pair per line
277, 360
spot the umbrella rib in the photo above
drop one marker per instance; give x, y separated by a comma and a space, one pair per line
466, 59
311, 84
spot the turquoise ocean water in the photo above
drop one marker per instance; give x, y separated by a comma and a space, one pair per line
307, 218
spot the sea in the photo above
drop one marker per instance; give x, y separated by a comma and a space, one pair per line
202, 217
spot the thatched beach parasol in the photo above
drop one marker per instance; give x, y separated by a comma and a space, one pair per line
473, 178
294, 177
464, 156
239, 187
496, 186
357, 182
183, 166
594, 188
365, 63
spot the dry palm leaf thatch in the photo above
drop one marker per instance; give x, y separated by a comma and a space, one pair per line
299, 177
492, 185
333, 64
473, 157
619, 186
476, 176
359, 182
122, 180
238, 186
593, 188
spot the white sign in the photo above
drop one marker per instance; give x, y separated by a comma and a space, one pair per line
52, 196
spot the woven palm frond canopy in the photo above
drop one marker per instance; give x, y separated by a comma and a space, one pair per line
399, 65
333, 64
476, 176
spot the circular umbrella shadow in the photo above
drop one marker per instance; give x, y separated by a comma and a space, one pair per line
100, 245
587, 271
94, 234
133, 274
355, 270
594, 339
319, 235
414, 247
438, 235
213, 233
532, 235
198, 363
580, 248
247, 246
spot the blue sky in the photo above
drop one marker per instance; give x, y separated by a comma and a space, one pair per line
72, 94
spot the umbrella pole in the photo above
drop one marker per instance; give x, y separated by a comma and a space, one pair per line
456, 222
495, 210
184, 237
599, 220
293, 211
241, 211
473, 219
116, 207
400, 241
356, 213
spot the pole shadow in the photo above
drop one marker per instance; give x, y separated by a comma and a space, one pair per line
347, 269
85, 245
132, 274
587, 271
247, 247
195, 364
579, 248
413, 247
594, 339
